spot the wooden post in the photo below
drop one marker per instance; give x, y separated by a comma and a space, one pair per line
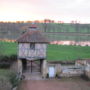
41, 61
20, 69
31, 66
44, 69
24, 63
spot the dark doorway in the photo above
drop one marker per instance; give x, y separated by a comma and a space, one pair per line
24, 64
34, 66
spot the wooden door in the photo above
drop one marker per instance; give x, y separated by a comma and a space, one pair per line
34, 66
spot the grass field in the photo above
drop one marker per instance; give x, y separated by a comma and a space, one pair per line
4, 73
7, 48
14, 30
67, 31
54, 52
67, 27
60, 52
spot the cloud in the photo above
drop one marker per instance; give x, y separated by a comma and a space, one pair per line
55, 9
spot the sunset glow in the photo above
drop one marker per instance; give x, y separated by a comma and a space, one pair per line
65, 10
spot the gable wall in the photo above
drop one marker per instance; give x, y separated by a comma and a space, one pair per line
26, 52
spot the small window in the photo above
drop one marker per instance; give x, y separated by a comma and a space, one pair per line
32, 46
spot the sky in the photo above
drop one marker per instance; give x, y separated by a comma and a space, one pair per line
58, 10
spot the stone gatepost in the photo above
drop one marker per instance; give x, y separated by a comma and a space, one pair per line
20, 68
87, 71
44, 69
58, 69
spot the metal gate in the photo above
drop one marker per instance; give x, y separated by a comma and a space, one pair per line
34, 66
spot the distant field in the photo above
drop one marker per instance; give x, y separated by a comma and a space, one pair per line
66, 31
67, 27
54, 52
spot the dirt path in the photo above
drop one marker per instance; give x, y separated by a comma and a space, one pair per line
54, 85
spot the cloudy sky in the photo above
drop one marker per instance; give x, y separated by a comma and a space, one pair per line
66, 10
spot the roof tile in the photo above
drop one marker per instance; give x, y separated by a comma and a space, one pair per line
33, 36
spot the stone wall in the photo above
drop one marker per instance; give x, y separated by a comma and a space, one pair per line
14, 66
81, 67
26, 52
86, 65
87, 70
20, 67
17, 67
44, 69
58, 69
66, 70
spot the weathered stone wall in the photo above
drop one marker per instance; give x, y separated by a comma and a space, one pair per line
78, 69
86, 65
87, 70
26, 52
58, 69
67, 70
20, 67
80, 62
44, 69
14, 66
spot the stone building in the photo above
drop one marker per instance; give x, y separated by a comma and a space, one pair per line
31, 48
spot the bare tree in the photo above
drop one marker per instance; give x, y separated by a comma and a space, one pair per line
0, 49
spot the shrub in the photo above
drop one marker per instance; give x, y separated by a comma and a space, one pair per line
4, 65
5, 84
9, 77
6, 61
13, 58
14, 79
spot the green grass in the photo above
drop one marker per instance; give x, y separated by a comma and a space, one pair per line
60, 52
4, 73
8, 48
54, 52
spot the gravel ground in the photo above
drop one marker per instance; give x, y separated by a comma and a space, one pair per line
55, 84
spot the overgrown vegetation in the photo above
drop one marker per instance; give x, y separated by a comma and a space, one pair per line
8, 79
6, 61
8, 54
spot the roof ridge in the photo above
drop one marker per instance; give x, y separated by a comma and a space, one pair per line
33, 36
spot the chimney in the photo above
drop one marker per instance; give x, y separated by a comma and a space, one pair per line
33, 27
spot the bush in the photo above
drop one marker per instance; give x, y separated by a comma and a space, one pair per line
6, 61
8, 77
13, 58
5, 84
14, 79
4, 65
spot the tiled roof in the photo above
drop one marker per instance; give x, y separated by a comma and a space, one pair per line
33, 36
